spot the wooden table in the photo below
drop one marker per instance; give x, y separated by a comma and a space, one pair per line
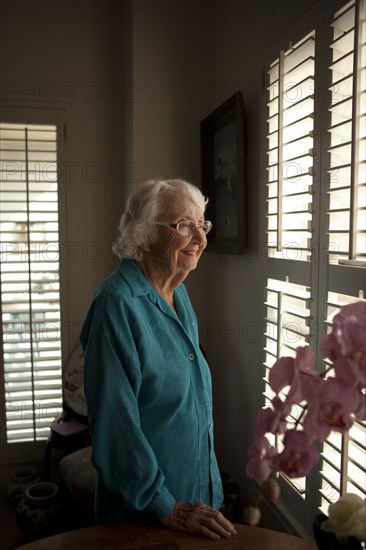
130, 536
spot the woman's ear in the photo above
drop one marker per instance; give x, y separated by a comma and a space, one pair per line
149, 240
145, 247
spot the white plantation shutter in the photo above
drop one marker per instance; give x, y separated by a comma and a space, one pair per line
30, 282
290, 143
287, 321
343, 467
347, 193
344, 457
287, 328
316, 221
290, 150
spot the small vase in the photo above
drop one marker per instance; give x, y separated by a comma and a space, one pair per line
40, 513
20, 481
328, 541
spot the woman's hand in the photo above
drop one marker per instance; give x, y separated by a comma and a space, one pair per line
201, 519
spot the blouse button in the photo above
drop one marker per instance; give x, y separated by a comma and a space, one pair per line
191, 356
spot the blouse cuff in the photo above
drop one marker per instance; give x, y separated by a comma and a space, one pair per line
162, 504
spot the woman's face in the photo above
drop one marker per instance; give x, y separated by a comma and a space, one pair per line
172, 251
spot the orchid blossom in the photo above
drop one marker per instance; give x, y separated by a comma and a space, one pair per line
298, 457
273, 420
329, 403
260, 464
289, 371
330, 407
345, 346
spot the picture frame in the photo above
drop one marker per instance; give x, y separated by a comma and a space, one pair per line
223, 182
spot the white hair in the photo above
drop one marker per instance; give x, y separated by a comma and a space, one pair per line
144, 206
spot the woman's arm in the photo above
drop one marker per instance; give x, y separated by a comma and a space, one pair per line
121, 454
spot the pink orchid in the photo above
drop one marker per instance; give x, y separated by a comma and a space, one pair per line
330, 347
330, 406
298, 456
345, 346
273, 420
349, 372
289, 371
350, 328
260, 464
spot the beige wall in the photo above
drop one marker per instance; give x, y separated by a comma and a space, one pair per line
159, 69
189, 57
75, 58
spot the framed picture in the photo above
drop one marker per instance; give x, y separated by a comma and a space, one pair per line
222, 164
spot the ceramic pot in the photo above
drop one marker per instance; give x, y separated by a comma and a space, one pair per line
40, 513
328, 541
20, 481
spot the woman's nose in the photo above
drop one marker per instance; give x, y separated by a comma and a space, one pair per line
199, 235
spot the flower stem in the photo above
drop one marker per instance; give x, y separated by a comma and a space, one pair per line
297, 422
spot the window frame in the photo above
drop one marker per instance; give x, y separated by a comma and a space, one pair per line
319, 275
13, 453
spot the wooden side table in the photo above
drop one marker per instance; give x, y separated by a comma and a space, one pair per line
133, 536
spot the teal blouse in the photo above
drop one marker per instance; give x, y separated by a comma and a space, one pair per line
149, 398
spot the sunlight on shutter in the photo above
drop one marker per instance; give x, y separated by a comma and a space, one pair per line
347, 193
344, 457
290, 151
30, 286
287, 328
297, 188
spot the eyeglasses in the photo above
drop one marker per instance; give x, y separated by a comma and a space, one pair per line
188, 228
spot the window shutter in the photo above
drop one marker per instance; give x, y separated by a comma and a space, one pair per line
338, 226
343, 457
290, 151
287, 328
30, 285
347, 193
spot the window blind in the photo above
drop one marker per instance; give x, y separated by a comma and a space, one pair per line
344, 457
347, 193
290, 151
29, 278
287, 328
338, 226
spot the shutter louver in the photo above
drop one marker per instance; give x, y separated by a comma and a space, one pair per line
30, 285
290, 151
344, 456
307, 211
347, 193
287, 328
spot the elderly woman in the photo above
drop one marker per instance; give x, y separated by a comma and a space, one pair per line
147, 384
